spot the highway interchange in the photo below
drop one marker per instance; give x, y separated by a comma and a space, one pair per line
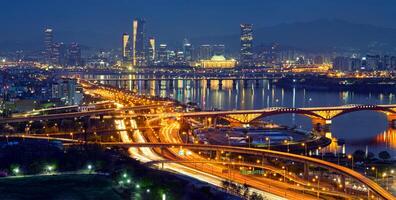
159, 143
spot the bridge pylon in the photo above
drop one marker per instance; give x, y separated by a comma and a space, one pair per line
321, 125
391, 118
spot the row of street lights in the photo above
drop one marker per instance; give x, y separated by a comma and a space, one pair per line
49, 169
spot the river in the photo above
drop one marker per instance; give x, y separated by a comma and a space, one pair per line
360, 130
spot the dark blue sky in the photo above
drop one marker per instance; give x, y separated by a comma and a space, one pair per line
103, 21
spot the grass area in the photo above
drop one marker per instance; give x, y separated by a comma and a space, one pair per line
73, 187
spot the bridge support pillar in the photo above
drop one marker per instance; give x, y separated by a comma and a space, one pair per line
234, 84
159, 83
343, 185
210, 122
146, 83
246, 83
257, 83
391, 117
132, 84
306, 171
218, 155
321, 125
196, 83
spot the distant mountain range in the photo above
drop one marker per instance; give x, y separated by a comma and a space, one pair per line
319, 35
322, 35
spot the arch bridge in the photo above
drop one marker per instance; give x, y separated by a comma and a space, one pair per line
321, 116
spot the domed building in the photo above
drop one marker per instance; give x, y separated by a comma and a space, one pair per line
218, 61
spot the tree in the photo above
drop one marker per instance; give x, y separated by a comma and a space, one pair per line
384, 155
255, 196
359, 155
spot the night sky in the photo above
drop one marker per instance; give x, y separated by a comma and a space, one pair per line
101, 22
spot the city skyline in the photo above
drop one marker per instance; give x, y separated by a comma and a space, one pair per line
209, 99
212, 23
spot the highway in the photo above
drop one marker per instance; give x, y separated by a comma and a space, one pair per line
164, 146
170, 139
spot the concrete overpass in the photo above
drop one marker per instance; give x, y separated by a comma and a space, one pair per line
100, 112
378, 190
268, 153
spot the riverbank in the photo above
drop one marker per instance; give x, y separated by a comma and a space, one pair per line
324, 83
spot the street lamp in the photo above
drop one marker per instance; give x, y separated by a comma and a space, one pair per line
50, 169
287, 143
317, 178
16, 171
269, 142
249, 142
305, 147
350, 156
383, 176
376, 172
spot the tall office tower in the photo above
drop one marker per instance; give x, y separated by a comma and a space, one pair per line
48, 41
151, 51
246, 54
393, 62
341, 63
138, 43
187, 51
163, 54
74, 57
126, 48
219, 49
386, 62
205, 52
372, 62
59, 53
179, 58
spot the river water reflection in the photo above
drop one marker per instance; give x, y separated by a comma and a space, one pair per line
360, 130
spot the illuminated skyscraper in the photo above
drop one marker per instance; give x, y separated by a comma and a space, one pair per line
151, 50
74, 52
218, 50
138, 43
187, 51
205, 52
246, 57
48, 42
126, 48
58, 54
163, 54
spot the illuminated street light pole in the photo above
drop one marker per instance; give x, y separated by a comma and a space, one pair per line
305, 147
385, 175
249, 142
269, 142
287, 143
352, 161
376, 172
